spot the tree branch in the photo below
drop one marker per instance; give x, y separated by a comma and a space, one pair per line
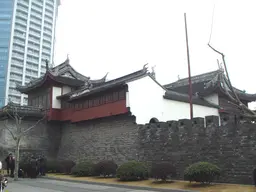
216, 50
33, 126
230, 84
8, 129
11, 116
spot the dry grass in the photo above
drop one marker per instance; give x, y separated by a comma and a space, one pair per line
168, 185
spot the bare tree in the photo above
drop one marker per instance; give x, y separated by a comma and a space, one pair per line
237, 102
17, 130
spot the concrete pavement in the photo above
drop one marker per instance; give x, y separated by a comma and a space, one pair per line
46, 185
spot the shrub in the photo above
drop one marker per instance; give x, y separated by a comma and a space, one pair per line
59, 166
53, 166
162, 170
84, 168
66, 166
203, 172
105, 168
132, 171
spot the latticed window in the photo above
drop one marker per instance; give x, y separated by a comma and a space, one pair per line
102, 100
96, 102
115, 96
90, 103
109, 98
86, 104
121, 94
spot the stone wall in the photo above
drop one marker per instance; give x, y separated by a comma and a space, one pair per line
231, 146
42, 139
108, 138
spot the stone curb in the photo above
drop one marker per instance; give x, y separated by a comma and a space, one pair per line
118, 185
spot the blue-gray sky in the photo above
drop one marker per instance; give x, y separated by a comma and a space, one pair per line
120, 36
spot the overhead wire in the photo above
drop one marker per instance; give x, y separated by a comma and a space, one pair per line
213, 11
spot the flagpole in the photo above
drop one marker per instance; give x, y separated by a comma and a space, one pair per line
189, 72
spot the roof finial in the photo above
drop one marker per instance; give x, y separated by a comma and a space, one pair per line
67, 60
47, 65
145, 68
153, 73
220, 65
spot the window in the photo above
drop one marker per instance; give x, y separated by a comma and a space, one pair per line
40, 99
109, 98
34, 102
29, 102
122, 94
102, 100
96, 102
90, 103
44, 101
85, 105
115, 96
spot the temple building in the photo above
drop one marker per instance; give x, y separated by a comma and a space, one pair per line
73, 97
215, 88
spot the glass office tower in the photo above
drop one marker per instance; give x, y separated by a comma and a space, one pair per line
28, 33
6, 12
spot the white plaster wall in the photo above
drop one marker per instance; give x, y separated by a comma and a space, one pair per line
146, 101
214, 98
181, 110
66, 89
56, 91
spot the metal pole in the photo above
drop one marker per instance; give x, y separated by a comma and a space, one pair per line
189, 73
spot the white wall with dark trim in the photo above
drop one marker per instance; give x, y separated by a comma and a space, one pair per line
145, 99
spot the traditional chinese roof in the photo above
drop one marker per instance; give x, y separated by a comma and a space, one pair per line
172, 95
209, 83
12, 110
86, 91
63, 74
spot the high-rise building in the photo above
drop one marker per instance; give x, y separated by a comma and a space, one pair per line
27, 36
6, 12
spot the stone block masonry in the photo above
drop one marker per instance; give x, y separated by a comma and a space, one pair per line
108, 138
43, 139
231, 146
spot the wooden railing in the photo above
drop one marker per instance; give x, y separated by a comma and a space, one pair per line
23, 111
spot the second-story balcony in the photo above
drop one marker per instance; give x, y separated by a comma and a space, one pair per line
34, 40
18, 56
36, 13
33, 53
16, 63
19, 49
16, 77
14, 92
22, 9
18, 42
22, 21
48, 19
32, 67
35, 26
34, 61
22, 111
37, 35
16, 70
35, 20
21, 15
23, 3
20, 28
